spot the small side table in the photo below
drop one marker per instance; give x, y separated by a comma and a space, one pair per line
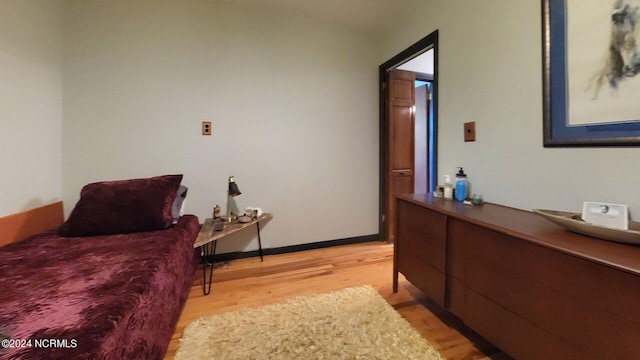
208, 238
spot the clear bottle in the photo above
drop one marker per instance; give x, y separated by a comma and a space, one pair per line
461, 185
448, 187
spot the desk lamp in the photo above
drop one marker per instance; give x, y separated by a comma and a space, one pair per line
231, 192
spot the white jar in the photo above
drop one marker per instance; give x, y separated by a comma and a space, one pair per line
448, 187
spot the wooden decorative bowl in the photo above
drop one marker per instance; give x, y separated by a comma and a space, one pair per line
572, 222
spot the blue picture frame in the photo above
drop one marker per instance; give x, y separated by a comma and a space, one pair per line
557, 132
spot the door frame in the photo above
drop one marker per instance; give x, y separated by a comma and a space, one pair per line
428, 42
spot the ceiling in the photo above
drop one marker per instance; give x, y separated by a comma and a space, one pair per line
372, 16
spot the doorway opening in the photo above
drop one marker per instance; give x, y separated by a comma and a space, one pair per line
424, 180
421, 60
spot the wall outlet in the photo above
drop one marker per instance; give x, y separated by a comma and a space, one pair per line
470, 131
206, 128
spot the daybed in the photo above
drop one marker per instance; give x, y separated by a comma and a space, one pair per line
110, 283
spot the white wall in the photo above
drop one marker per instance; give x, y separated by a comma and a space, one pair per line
293, 104
490, 72
30, 104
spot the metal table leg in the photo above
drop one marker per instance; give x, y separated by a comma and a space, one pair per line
259, 241
208, 251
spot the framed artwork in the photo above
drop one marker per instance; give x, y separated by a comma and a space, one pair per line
591, 72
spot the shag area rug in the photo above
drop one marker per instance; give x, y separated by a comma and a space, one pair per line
354, 323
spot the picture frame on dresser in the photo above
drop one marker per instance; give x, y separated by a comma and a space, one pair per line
591, 78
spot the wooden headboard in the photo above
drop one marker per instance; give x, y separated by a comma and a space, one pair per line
18, 226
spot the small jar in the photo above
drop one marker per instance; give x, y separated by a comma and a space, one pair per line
477, 199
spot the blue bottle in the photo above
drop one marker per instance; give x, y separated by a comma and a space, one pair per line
461, 185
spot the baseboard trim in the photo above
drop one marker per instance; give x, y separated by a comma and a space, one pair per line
295, 248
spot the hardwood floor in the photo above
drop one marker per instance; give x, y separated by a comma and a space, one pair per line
251, 283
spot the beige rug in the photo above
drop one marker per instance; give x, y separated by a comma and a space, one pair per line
354, 323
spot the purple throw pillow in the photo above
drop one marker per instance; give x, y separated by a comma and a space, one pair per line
123, 206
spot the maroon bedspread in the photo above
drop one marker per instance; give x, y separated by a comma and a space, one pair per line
102, 297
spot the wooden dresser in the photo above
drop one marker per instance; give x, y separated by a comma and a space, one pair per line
533, 289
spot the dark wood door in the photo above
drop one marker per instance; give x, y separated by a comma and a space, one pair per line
400, 142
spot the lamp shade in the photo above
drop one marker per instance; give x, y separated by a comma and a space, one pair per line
233, 187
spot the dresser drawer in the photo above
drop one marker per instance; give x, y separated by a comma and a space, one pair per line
531, 282
425, 277
421, 249
422, 232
